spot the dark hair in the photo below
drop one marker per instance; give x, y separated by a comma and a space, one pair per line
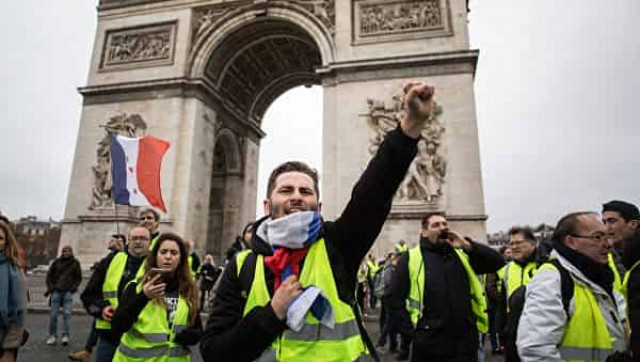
156, 215
5, 219
10, 243
186, 285
502, 249
428, 216
120, 236
292, 166
626, 210
568, 225
524, 231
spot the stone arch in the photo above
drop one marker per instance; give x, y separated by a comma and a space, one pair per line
210, 40
225, 198
228, 142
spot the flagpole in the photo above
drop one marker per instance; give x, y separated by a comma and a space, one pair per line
113, 197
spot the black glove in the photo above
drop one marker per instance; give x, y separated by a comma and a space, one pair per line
619, 357
47, 293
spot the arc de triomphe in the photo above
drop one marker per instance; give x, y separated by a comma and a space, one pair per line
201, 74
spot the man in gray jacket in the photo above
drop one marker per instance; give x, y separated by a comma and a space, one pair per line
594, 326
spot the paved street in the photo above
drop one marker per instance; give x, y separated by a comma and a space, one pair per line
38, 325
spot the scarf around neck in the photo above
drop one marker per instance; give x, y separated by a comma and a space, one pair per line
12, 306
290, 238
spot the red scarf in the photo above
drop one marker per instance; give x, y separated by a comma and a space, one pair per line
285, 262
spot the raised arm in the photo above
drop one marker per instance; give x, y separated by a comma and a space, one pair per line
362, 219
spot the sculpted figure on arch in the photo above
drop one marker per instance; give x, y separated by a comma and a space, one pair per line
295, 251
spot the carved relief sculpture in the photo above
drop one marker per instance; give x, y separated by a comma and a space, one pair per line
126, 125
205, 18
391, 17
426, 175
151, 45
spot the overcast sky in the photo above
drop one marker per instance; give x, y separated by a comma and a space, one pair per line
557, 90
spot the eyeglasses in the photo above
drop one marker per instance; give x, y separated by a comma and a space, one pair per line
599, 237
142, 238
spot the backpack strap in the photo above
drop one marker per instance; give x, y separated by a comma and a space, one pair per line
566, 284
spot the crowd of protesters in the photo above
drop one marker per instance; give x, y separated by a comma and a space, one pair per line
295, 287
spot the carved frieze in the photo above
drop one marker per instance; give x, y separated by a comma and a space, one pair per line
381, 20
426, 175
325, 10
205, 18
142, 46
128, 125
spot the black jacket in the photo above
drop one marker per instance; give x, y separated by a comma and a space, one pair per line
131, 305
630, 257
92, 298
64, 275
347, 239
208, 275
447, 330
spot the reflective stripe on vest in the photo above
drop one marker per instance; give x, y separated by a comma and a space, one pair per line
150, 337
112, 279
313, 340
516, 276
115, 271
617, 280
586, 335
414, 303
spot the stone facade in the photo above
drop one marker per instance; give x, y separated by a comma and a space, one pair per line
201, 74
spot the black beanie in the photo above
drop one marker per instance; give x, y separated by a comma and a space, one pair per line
626, 210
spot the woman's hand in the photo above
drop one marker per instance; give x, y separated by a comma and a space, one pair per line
152, 289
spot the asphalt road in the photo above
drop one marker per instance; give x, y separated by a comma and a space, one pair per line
38, 325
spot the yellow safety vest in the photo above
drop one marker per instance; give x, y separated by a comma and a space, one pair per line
416, 281
586, 336
111, 282
193, 272
314, 342
150, 339
515, 276
401, 248
500, 274
625, 286
617, 280
372, 268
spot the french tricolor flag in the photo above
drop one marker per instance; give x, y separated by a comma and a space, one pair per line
135, 165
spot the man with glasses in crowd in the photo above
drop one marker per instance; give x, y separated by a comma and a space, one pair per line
591, 328
111, 275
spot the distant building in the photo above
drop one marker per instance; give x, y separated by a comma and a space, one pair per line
38, 238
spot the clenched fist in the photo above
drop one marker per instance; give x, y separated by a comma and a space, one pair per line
419, 107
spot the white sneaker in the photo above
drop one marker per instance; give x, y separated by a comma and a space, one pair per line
51, 341
65, 340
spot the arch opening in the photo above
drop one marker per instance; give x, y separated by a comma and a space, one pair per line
255, 64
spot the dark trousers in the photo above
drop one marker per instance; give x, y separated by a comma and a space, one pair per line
372, 298
105, 351
395, 325
360, 296
92, 340
493, 330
